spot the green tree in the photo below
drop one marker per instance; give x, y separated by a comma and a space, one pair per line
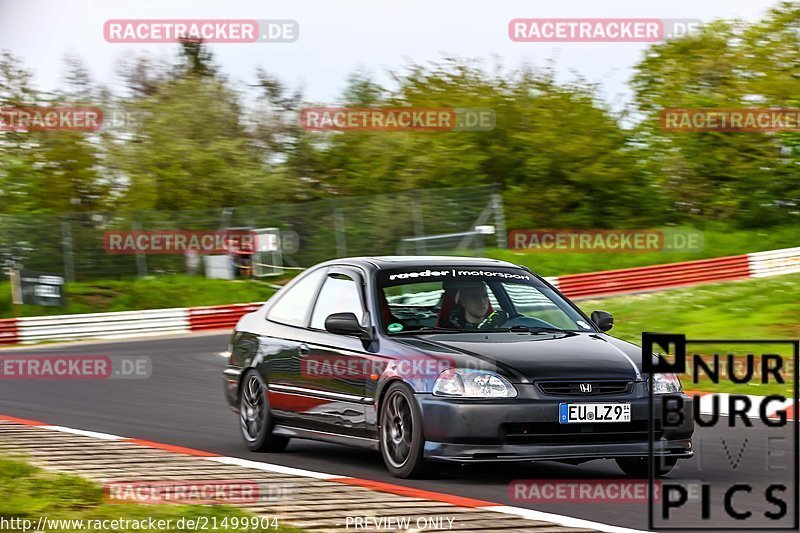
749, 178
48, 171
190, 148
559, 154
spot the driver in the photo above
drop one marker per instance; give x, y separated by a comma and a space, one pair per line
472, 309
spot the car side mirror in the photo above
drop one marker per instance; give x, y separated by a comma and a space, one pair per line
603, 320
346, 324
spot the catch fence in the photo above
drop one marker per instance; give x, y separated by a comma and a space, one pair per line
310, 232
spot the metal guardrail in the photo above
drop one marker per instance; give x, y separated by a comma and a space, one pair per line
9, 333
121, 324
102, 325
654, 277
774, 262
218, 317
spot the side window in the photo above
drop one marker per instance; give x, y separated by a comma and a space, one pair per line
428, 294
292, 306
339, 294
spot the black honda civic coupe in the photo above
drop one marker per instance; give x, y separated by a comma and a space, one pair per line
432, 359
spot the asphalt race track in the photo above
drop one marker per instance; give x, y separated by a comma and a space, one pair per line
182, 403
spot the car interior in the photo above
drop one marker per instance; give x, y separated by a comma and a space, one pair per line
430, 305
428, 309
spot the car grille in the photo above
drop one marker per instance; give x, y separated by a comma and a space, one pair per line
555, 433
573, 388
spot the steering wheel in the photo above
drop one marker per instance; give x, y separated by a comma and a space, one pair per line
494, 320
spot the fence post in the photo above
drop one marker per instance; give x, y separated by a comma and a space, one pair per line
419, 225
341, 232
499, 220
66, 248
16, 291
225, 218
141, 260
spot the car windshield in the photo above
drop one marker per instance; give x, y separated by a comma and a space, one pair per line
467, 299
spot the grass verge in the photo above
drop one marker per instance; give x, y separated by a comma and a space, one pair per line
28, 493
142, 293
765, 308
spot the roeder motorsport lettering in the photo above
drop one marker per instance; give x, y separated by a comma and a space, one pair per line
428, 273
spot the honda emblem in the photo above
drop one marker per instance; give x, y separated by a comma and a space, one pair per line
586, 388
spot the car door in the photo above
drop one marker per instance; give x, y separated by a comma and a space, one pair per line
335, 367
280, 351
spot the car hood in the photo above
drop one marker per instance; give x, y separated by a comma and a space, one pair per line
528, 357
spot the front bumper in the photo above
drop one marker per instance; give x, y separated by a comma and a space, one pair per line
526, 428
466, 453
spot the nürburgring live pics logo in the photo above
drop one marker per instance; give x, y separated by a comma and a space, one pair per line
749, 457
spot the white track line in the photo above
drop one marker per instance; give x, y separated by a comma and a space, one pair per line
83, 432
268, 467
566, 521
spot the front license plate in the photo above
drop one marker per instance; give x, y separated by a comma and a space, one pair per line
576, 413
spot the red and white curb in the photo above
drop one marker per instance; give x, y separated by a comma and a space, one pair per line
377, 486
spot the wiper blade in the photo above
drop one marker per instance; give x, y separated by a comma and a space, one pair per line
429, 329
530, 329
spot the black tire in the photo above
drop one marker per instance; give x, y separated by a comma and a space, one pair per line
401, 440
255, 420
638, 466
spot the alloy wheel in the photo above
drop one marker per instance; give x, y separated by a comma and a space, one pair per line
397, 428
251, 408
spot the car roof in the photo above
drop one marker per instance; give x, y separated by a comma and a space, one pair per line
398, 261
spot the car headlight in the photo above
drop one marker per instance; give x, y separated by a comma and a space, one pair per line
666, 383
459, 383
